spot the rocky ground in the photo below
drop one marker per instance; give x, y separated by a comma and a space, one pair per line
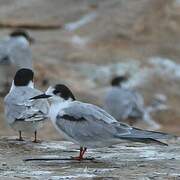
97, 40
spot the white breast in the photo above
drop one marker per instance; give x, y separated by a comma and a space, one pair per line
56, 108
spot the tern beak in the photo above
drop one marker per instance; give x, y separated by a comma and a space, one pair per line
41, 96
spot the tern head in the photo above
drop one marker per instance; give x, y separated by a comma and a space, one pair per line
116, 81
24, 77
22, 33
59, 92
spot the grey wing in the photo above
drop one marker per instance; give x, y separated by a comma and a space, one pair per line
35, 111
139, 135
12, 111
118, 103
87, 122
123, 103
18, 106
137, 105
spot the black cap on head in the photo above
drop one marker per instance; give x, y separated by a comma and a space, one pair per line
116, 81
23, 77
21, 32
63, 91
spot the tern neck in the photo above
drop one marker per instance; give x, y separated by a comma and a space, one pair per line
22, 40
55, 108
13, 86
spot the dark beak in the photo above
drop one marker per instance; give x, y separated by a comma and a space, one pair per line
41, 96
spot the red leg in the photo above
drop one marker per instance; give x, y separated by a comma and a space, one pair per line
81, 154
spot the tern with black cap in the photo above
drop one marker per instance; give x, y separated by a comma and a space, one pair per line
89, 125
126, 104
15, 53
21, 114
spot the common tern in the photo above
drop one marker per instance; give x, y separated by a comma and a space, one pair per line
89, 125
21, 114
15, 53
126, 104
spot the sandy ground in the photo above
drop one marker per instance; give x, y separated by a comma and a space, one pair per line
124, 161
95, 36
102, 34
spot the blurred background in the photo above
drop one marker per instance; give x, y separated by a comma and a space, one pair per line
84, 43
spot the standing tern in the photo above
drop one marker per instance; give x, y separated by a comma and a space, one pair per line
87, 124
127, 104
15, 53
21, 114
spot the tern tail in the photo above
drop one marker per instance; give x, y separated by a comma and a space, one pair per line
144, 140
139, 135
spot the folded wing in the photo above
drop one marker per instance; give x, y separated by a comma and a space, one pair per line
18, 106
88, 123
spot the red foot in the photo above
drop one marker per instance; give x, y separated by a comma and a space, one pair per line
77, 158
81, 154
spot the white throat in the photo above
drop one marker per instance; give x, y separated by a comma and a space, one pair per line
56, 107
22, 40
13, 86
31, 84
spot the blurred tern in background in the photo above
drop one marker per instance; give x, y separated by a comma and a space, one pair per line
88, 125
21, 114
15, 53
127, 104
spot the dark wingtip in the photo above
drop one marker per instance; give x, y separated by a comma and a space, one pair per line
157, 142
162, 135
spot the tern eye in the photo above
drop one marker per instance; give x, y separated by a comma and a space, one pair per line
56, 92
